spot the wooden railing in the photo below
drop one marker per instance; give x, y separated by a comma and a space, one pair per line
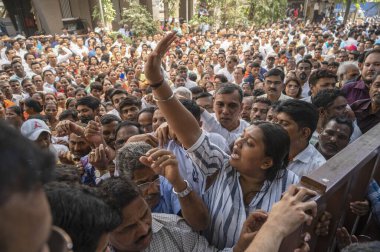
341, 180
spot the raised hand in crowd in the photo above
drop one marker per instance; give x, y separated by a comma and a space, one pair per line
284, 218
101, 157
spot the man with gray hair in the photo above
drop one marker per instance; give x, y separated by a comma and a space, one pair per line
348, 71
156, 174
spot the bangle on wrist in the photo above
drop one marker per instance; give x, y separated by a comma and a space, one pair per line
185, 192
157, 85
164, 100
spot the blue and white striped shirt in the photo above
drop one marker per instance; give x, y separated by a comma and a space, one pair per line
224, 197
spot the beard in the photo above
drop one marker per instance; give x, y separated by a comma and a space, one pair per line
86, 119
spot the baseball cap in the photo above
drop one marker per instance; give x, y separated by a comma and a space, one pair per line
33, 128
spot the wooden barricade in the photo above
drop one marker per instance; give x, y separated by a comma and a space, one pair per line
341, 180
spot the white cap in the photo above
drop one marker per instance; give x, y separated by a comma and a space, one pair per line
33, 128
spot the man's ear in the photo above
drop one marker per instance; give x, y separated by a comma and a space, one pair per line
200, 123
306, 132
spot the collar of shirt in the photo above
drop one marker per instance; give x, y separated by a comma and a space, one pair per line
305, 155
361, 105
156, 226
360, 85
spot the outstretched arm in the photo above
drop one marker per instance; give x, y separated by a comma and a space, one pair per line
178, 117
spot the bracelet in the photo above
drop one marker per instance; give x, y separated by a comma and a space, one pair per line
164, 100
185, 192
158, 84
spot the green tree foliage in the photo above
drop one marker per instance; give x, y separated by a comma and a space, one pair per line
232, 13
108, 11
265, 11
139, 19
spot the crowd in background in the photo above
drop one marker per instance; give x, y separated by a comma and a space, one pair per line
200, 128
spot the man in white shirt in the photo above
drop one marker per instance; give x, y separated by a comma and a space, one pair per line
183, 72
238, 76
303, 71
221, 62
232, 61
9, 54
227, 107
274, 85
299, 119
79, 48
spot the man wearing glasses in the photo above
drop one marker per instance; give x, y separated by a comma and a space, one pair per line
274, 85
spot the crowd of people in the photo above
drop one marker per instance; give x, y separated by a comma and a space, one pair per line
180, 142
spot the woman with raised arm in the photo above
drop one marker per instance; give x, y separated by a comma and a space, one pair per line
253, 177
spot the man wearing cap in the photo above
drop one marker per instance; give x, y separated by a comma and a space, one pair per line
37, 131
271, 58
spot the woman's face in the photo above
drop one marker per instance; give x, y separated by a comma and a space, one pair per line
248, 154
49, 98
61, 99
72, 105
107, 85
37, 97
102, 110
210, 86
64, 83
80, 94
51, 110
292, 89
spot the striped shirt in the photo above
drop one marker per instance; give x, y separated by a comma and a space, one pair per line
224, 197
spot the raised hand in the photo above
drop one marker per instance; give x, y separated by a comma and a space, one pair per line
147, 138
164, 163
93, 133
290, 212
152, 68
67, 127
101, 157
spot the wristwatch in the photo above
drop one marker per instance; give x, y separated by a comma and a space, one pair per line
185, 192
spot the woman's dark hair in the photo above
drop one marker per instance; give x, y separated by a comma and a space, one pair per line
33, 104
68, 101
298, 83
146, 110
277, 144
17, 110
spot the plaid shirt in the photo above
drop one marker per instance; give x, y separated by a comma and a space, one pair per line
172, 234
374, 197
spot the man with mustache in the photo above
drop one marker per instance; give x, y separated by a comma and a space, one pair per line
367, 111
334, 137
303, 71
331, 103
274, 85
359, 90
88, 108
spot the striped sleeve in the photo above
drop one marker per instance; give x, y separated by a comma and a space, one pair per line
207, 157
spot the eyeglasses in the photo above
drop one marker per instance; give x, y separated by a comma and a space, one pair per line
145, 186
